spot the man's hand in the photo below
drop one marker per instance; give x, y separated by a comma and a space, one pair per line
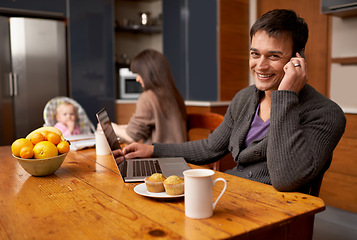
118, 155
138, 150
295, 74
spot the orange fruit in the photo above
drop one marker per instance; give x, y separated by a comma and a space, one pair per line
45, 149
26, 152
18, 144
37, 137
63, 147
53, 138
45, 133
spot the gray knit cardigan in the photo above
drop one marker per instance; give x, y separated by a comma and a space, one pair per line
304, 130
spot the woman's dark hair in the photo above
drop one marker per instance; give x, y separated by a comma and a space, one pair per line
279, 22
155, 71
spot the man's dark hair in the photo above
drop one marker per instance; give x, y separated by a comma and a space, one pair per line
279, 22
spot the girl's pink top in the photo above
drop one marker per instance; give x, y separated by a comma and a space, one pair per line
65, 130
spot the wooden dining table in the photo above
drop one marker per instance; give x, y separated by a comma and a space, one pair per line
87, 199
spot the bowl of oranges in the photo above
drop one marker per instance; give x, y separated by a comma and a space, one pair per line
42, 152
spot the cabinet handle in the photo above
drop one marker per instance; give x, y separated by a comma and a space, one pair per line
11, 85
15, 85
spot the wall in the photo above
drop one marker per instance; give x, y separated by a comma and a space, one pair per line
339, 187
233, 49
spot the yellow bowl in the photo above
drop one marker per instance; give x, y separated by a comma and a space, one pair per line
41, 167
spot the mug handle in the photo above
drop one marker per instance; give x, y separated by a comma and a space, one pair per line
224, 189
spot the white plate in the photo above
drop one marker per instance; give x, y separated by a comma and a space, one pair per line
141, 190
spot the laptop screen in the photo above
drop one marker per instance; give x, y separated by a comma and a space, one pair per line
129, 169
108, 130
112, 139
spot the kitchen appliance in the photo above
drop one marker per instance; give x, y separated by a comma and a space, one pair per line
33, 70
129, 88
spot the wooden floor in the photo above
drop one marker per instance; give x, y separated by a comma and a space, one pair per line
335, 224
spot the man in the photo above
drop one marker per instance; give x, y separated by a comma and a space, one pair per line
280, 131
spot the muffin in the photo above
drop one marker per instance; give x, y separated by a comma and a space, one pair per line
154, 183
174, 185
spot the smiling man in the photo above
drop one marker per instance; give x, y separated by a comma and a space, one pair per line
280, 130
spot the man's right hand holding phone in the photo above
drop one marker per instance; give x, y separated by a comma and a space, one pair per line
295, 74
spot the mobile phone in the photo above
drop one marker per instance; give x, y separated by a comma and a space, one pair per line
302, 54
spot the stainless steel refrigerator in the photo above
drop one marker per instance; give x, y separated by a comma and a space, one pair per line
33, 69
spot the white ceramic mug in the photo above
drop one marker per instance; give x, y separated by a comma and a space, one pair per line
199, 193
101, 144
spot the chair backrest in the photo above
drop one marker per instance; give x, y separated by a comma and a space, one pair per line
49, 114
315, 186
209, 121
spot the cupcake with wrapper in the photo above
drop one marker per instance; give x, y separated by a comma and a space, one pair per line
154, 183
174, 185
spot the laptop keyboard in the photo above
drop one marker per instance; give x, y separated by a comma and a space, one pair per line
146, 168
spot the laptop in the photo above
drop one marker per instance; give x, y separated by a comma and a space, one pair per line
136, 170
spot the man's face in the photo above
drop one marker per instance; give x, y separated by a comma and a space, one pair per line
268, 56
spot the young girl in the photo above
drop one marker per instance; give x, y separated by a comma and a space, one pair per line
66, 116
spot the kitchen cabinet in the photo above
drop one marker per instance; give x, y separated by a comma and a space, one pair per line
343, 21
343, 62
190, 44
91, 52
34, 7
204, 41
340, 8
138, 26
134, 33
207, 45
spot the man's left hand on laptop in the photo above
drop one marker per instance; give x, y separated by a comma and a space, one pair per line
135, 150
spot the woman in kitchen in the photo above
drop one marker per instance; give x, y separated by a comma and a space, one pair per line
160, 114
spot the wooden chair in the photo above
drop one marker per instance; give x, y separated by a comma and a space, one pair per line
315, 184
199, 125
313, 189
